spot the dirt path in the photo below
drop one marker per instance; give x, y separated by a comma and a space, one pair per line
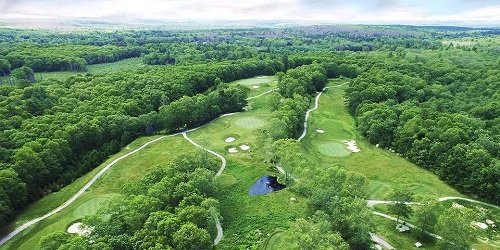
78, 194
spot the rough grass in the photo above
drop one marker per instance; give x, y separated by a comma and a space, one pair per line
384, 170
129, 170
244, 214
97, 69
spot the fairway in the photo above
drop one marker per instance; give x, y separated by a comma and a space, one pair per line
250, 122
255, 80
245, 215
89, 207
333, 149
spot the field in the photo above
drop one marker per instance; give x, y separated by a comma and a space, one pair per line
247, 220
98, 69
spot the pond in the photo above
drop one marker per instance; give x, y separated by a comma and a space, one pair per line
264, 185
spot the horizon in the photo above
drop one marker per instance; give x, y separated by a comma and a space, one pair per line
388, 12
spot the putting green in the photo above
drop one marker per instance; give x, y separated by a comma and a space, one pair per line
89, 207
249, 122
333, 149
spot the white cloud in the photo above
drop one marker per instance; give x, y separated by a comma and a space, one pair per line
333, 10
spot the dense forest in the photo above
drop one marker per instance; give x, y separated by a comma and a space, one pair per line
435, 103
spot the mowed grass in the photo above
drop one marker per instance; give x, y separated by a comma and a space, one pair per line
128, 170
384, 170
258, 84
386, 227
97, 69
248, 219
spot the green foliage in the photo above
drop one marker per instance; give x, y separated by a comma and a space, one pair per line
454, 225
304, 234
398, 207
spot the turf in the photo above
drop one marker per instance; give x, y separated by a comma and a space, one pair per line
384, 170
249, 122
97, 69
244, 214
333, 149
130, 169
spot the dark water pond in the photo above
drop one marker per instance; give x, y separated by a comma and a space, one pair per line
264, 185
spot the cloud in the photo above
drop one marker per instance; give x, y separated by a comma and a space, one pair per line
333, 10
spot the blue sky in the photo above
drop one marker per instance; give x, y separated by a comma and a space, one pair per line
351, 11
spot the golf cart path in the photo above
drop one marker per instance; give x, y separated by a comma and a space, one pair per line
372, 203
316, 104
9, 236
78, 194
218, 238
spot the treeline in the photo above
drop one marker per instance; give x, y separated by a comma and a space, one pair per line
171, 208
62, 57
442, 114
338, 215
53, 132
294, 95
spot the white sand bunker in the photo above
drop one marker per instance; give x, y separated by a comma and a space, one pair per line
79, 228
232, 150
320, 131
351, 145
244, 147
229, 139
261, 77
255, 86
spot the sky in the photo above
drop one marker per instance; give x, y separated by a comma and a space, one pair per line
341, 11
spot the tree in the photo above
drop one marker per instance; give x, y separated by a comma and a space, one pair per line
454, 225
426, 217
304, 234
23, 73
191, 237
4, 67
399, 197
53, 240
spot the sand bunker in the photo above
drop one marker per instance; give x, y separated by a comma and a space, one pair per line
232, 150
351, 145
320, 131
244, 147
229, 139
261, 77
255, 86
79, 228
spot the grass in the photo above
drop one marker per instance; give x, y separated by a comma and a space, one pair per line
386, 227
130, 169
97, 69
247, 220
249, 122
265, 84
333, 149
384, 170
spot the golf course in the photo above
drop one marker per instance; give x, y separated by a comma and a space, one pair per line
242, 145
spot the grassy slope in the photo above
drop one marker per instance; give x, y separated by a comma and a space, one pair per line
248, 219
243, 214
130, 169
384, 170
97, 69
